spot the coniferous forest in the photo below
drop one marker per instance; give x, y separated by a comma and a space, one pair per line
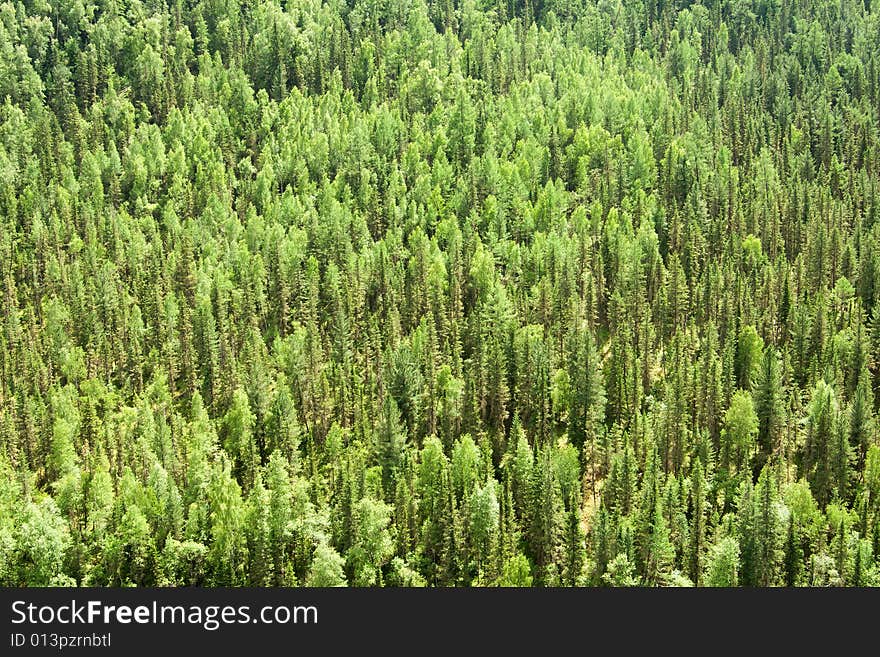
445, 293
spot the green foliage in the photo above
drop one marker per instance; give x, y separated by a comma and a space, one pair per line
516, 572
723, 564
372, 544
41, 540
445, 294
739, 433
748, 357
326, 568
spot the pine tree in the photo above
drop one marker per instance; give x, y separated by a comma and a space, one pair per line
822, 421
586, 407
697, 534
765, 531
793, 560
861, 421
769, 407
389, 443
543, 527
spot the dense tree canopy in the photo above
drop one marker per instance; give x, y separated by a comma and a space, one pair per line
439, 293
